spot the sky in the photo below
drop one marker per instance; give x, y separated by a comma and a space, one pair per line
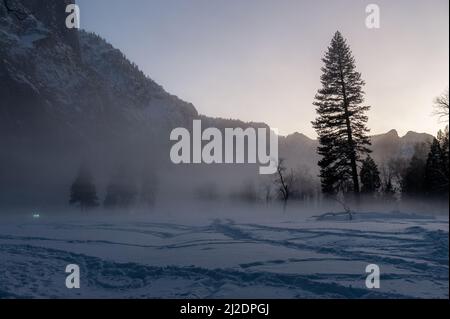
260, 60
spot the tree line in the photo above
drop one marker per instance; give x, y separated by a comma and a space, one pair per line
121, 192
346, 165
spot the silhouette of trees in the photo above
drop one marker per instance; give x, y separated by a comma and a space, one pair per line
437, 167
341, 122
370, 176
121, 191
391, 176
414, 177
83, 192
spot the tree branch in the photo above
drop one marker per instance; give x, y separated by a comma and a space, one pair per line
441, 106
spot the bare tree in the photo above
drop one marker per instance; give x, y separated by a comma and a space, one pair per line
389, 178
284, 181
441, 108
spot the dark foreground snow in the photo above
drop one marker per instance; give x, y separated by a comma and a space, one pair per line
162, 257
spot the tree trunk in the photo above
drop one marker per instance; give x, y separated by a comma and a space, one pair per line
352, 152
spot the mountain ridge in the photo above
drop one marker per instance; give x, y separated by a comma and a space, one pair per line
391, 133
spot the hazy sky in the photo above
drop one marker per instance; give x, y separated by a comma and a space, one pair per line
260, 60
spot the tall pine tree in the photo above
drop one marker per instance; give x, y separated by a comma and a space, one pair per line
434, 175
370, 176
341, 122
443, 138
413, 181
437, 167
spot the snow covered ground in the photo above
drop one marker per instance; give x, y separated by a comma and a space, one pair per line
169, 256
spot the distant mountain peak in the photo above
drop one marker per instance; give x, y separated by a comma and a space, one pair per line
298, 136
412, 133
415, 136
392, 133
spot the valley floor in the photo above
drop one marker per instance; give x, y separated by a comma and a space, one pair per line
149, 257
